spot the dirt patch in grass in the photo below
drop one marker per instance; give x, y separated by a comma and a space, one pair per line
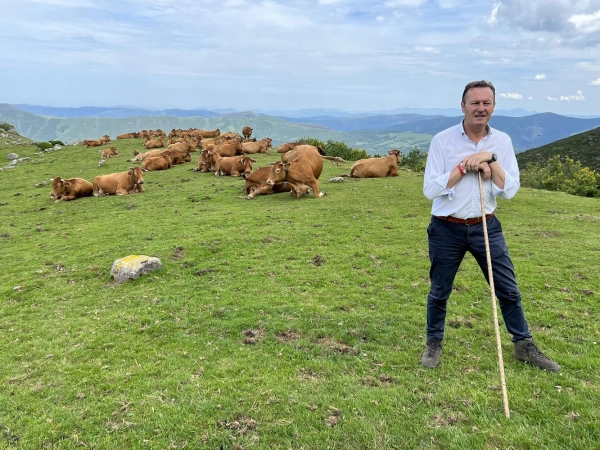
178, 254
339, 347
305, 374
288, 336
252, 336
242, 425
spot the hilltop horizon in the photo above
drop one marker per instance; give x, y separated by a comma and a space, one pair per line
210, 111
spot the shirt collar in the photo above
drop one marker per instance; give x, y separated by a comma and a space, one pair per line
487, 126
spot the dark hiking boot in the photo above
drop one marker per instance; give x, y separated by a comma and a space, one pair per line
526, 351
433, 351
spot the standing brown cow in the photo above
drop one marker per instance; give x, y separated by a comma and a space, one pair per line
247, 132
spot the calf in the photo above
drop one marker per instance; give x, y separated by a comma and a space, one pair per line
386, 166
70, 189
121, 183
302, 168
110, 152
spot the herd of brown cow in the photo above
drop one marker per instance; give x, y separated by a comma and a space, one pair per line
298, 171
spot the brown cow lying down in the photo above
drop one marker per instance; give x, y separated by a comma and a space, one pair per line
232, 147
386, 166
261, 146
161, 161
93, 143
232, 165
284, 148
70, 189
110, 152
154, 143
256, 184
300, 167
121, 183
206, 162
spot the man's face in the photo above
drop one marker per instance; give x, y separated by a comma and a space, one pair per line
478, 106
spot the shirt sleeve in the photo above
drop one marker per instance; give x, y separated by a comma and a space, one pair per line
509, 163
436, 178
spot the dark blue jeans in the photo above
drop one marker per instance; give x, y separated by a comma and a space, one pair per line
448, 244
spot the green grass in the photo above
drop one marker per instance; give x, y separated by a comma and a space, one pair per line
279, 323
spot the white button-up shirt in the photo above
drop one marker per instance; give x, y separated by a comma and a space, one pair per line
447, 149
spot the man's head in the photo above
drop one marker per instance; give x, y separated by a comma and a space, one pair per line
478, 101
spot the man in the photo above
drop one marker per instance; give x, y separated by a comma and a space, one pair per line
456, 156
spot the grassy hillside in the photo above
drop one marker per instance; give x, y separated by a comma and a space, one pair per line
583, 147
279, 323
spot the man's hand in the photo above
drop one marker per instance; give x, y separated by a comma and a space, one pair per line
484, 167
473, 162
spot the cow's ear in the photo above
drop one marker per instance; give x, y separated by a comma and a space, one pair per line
287, 165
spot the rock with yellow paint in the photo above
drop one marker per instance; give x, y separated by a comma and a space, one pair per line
134, 266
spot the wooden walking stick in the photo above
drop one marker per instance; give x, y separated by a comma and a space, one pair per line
494, 307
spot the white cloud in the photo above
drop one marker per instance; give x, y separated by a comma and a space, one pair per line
512, 96
572, 98
329, 2
380, 18
404, 3
433, 50
552, 99
586, 23
529, 98
594, 83
540, 76
492, 18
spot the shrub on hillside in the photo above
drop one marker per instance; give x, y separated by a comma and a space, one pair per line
6, 126
57, 142
336, 148
44, 145
415, 160
566, 176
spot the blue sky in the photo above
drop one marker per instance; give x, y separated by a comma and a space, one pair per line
351, 55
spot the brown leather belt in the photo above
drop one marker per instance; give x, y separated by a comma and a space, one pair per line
471, 221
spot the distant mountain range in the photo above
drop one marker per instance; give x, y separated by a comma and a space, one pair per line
375, 133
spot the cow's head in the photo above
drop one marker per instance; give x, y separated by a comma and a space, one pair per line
59, 189
397, 153
136, 175
279, 173
247, 163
